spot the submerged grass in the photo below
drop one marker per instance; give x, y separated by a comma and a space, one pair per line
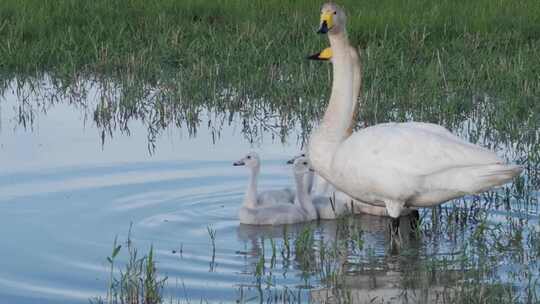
479, 249
137, 283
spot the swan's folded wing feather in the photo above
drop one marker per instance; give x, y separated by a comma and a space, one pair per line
400, 148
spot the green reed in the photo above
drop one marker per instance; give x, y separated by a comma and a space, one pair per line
138, 282
169, 61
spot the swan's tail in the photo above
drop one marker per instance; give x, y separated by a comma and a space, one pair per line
456, 182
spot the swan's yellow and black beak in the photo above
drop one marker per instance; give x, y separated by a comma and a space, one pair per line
327, 22
324, 55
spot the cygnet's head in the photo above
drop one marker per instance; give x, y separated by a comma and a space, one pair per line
291, 161
301, 165
251, 160
333, 19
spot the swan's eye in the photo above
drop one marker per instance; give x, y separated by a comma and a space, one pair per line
303, 155
335, 13
249, 157
305, 163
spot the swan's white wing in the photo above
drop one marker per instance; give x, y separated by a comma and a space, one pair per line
390, 162
428, 127
403, 148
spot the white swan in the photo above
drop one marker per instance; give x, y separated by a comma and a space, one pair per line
301, 210
395, 165
269, 197
331, 203
320, 186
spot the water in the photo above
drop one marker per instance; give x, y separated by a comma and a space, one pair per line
66, 192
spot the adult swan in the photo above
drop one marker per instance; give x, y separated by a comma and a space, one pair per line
395, 165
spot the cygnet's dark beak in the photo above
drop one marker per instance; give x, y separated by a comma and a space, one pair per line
239, 163
324, 28
291, 161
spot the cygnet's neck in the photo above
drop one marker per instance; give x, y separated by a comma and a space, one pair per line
250, 200
303, 199
308, 181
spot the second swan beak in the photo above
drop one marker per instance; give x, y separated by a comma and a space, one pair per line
324, 55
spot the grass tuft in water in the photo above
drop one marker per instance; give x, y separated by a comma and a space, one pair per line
137, 283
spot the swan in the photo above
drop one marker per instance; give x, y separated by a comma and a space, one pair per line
269, 197
320, 186
331, 203
301, 210
393, 165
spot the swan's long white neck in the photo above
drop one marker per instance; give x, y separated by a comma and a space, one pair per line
250, 200
357, 85
303, 198
338, 115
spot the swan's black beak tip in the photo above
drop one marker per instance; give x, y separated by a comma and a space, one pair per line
290, 161
316, 57
238, 163
323, 29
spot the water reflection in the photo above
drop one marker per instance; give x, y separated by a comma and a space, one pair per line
114, 104
69, 156
353, 261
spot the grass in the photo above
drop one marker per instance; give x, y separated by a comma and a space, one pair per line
137, 283
471, 66
212, 235
168, 62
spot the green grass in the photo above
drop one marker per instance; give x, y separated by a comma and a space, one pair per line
168, 62
137, 282
136, 35
472, 66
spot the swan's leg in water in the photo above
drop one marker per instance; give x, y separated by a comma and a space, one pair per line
394, 208
394, 226
415, 219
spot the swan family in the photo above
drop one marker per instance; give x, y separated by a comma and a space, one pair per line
387, 169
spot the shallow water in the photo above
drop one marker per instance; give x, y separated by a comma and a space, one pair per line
64, 196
